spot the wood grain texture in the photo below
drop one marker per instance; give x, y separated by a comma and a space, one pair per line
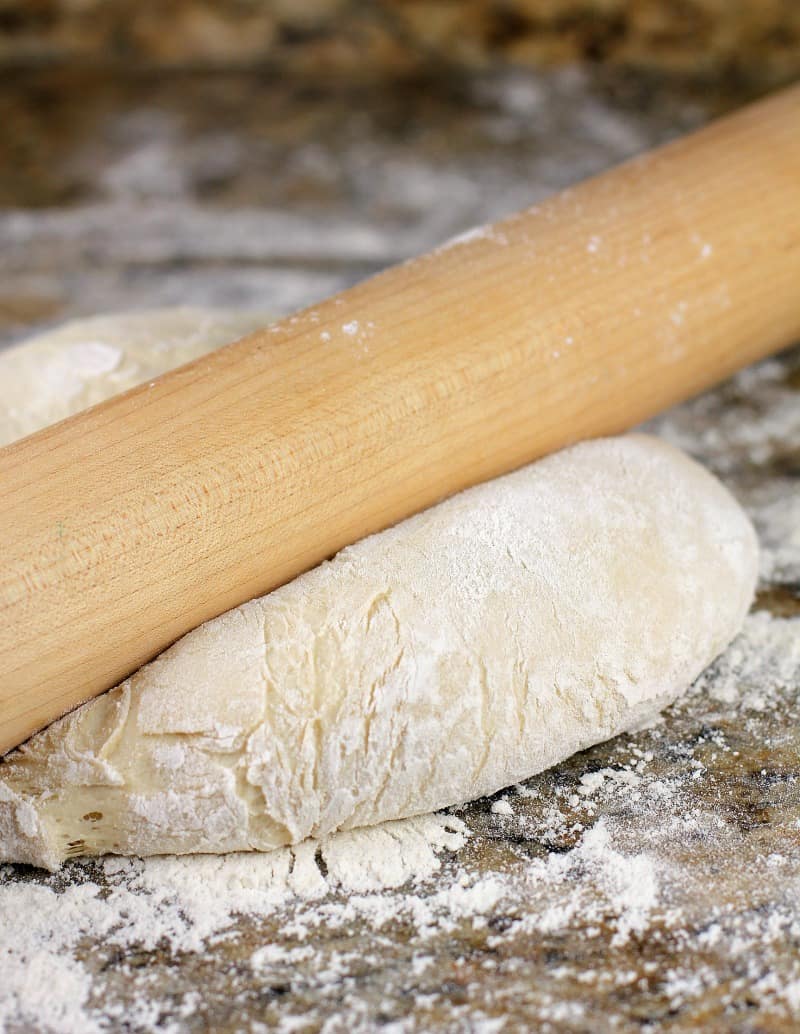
127, 525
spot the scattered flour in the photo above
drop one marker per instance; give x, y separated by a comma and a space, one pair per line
375, 877
762, 663
605, 884
502, 807
188, 902
778, 522
586, 876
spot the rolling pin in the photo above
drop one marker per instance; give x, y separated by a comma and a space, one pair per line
125, 526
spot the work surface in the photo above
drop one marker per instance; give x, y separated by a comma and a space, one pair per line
649, 883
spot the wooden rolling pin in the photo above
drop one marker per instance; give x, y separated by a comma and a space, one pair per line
126, 526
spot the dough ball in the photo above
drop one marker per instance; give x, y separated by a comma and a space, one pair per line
463, 650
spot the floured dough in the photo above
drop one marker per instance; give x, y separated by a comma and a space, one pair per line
460, 651
81, 363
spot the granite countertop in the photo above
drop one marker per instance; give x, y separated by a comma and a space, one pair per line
335, 39
650, 883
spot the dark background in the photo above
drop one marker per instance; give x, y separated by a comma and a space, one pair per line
263, 153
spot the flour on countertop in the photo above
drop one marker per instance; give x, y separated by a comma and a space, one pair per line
186, 903
575, 871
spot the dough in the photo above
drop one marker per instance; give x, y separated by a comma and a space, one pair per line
77, 365
458, 652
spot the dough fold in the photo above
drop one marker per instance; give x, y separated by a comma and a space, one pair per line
461, 651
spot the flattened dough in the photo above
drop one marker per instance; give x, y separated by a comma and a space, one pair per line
458, 652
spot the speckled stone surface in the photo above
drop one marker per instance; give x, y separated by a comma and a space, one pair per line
388, 38
651, 883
